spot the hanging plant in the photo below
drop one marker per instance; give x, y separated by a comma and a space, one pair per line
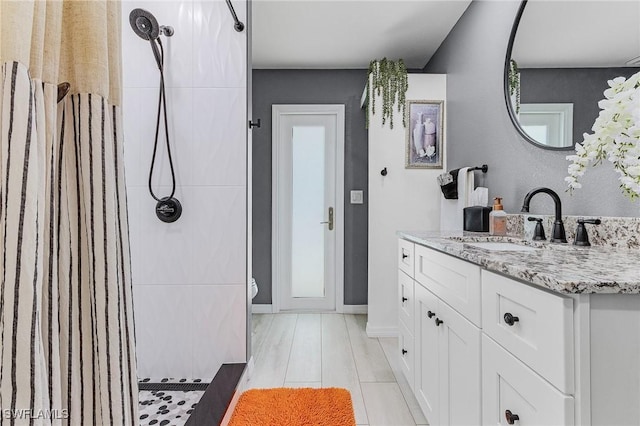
514, 83
387, 79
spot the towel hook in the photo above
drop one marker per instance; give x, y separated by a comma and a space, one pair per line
383, 172
484, 168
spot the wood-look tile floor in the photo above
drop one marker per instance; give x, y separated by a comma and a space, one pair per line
333, 350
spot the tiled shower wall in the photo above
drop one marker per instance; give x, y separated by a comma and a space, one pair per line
189, 277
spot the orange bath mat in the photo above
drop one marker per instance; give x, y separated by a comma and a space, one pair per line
294, 407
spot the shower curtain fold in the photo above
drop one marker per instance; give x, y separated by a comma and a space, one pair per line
67, 348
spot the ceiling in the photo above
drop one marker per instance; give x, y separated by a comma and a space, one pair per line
339, 34
565, 34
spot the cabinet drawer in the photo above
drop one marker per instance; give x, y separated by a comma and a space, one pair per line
455, 281
405, 300
405, 256
508, 384
542, 335
406, 352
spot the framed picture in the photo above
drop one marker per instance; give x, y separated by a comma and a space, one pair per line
425, 136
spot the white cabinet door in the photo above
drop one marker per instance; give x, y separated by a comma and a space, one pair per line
512, 393
427, 386
406, 303
460, 388
406, 348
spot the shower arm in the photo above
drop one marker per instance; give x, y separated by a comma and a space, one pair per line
238, 26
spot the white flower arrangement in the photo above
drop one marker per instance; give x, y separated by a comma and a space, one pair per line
616, 137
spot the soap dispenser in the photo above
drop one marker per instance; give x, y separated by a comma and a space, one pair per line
497, 218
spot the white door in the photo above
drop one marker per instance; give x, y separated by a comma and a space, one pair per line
308, 146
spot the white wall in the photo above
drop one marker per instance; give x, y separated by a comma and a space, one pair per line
404, 200
189, 277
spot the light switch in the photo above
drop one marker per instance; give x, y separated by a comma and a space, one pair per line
356, 197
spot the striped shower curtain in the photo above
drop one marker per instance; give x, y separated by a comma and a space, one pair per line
67, 353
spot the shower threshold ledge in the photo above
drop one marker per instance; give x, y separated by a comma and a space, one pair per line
213, 404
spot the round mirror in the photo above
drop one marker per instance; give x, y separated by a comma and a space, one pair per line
560, 56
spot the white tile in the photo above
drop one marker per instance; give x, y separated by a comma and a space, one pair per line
386, 405
163, 330
218, 151
138, 127
219, 50
338, 365
370, 360
139, 65
219, 241
181, 123
219, 327
305, 360
161, 253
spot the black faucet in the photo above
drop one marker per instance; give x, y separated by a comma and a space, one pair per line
557, 234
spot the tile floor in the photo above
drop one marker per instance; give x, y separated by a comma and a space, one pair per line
166, 408
312, 350
333, 350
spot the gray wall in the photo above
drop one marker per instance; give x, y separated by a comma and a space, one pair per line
479, 129
312, 87
581, 86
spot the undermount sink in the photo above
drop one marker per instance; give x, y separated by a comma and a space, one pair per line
501, 246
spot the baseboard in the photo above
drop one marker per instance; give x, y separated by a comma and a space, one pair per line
355, 309
261, 309
376, 331
346, 309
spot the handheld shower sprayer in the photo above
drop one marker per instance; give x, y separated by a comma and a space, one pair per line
145, 25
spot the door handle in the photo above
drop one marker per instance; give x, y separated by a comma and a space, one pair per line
330, 221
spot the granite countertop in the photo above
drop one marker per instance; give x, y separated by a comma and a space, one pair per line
563, 268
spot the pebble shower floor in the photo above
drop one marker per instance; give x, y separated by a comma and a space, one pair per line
167, 407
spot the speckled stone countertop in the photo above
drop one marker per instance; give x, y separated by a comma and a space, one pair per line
563, 268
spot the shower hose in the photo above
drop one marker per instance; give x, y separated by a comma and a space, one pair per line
162, 110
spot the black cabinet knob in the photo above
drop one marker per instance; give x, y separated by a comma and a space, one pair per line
510, 319
430, 314
404, 351
438, 322
404, 299
404, 256
511, 418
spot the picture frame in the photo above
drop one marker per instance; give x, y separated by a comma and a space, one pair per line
425, 134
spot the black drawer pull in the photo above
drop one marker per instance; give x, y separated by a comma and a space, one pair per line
430, 314
510, 319
404, 299
438, 322
511, 418
404, 351
404, 256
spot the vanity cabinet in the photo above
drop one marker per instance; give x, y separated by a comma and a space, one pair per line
447, 372
439, 346
488, 348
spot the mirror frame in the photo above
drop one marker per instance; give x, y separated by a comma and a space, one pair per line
507, 98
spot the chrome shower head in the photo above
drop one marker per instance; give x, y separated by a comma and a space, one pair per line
144, 24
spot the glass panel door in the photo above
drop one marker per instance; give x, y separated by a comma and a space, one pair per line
308, 212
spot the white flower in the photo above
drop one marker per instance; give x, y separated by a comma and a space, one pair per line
615, 137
